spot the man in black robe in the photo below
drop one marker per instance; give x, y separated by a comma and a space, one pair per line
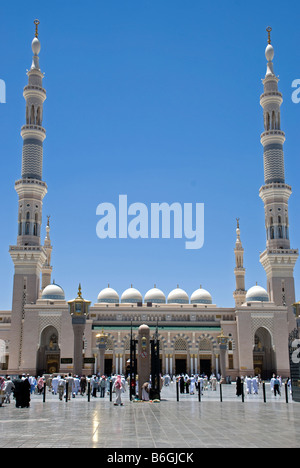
22, 392
181, 383
239, 387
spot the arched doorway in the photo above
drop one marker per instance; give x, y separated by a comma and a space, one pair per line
48, 356
264, 359
205, 356
180, 351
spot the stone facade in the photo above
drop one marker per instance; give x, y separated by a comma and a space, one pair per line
38, 334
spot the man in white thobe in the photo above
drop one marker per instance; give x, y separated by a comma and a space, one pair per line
54, 385
255, 385
249, 385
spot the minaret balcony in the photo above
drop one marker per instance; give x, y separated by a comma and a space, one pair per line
271, 97
33, 131
272, 136
34, 91
34, 187
275, 192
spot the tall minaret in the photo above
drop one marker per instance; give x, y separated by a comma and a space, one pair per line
28, 255
278, 259
239, 271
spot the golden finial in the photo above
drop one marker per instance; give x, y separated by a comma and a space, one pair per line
238, 222
36, 22
269, 30
48, 220
79, 291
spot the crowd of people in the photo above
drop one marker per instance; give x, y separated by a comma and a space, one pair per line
192, 384
69, 386
251, 385
64, 386
248, 385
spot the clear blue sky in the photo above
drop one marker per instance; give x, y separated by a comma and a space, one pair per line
158, 100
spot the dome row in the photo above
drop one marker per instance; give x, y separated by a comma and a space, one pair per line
155, 295
177, 296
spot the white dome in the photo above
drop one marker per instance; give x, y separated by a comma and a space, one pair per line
131, 295
53, 292
201, 296
36, 46
178, 296
108, 295
270, 53
155, 295
257, 294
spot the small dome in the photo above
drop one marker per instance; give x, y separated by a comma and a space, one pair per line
201, 296
53, 292
131, 295
108, 295
178, 296
155, 295
257, 294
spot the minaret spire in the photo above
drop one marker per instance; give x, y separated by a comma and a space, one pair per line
239, 271
269, 30
36, 22
33, 134
278, 259
28, 255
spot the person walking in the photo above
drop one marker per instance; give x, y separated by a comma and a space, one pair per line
83, 384
103, 384
255, 385
2, 389
33, 384
239, 387
55, 381
94, 384
181, 384
9, 387
118, 388
249, 385
22, 392
40, 385
61, 388
277, 386
71, 385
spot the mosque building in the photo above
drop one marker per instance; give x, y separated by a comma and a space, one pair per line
38, 332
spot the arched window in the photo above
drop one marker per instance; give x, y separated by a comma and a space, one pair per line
268, 121
38, 116
273, 121
180, 345
32, 117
